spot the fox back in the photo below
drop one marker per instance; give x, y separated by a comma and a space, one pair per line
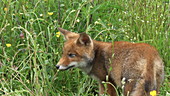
137, 64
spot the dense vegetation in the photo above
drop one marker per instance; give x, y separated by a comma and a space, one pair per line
30, 44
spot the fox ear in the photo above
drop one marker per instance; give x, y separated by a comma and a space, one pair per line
84, 39
68, 34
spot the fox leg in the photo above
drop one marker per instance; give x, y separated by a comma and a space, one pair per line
101, 89
159, 74
110, 90
128, 87
142, 87
138, 88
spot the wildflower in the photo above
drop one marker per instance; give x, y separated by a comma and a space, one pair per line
50, 13
21, 35
15, 67
55, 21
91, 6
41, 15
125, 12
28, 81
8, 45
109, 24
120, 20
58, 34
77, 20
153, 93
142, 20
96, 22
5, 9
3, 79
31, 20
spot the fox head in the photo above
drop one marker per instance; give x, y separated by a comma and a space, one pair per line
77, 50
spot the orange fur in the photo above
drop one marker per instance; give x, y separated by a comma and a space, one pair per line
138, 63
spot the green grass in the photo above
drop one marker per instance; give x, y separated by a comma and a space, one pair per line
27, 68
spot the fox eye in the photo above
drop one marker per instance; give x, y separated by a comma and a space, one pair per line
71, 55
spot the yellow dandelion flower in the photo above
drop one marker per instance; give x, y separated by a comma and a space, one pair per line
5, 9
58, 34
8, 45
50, 13
109, 24
153, 93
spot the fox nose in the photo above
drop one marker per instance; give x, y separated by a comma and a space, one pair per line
57, 66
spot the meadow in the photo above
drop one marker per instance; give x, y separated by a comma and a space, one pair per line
31, 45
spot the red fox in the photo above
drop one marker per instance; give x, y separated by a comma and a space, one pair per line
138, 64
